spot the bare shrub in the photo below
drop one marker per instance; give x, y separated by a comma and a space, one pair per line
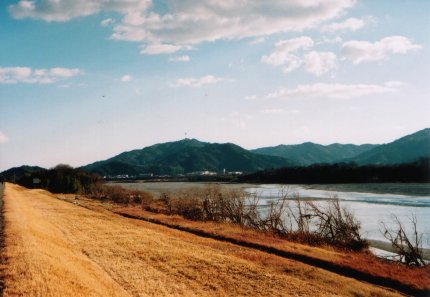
288, 216
252, 217
299, 215
337, 225
213, 203
189, 208
121, 195
117, 194
408, 248
140, 197
233, 207
274, 221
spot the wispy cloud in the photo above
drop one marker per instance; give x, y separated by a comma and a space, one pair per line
273, 110
257, 40
335, 90
282, 53
250, 97
197, 82
319, 63
12, 75
3, 138
62, 11
126, 78
184, 58
290, 55
180, 25
365, 51
351, 24
156, 49
107, 22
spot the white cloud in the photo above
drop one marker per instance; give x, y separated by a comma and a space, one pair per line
325, 39
3, 138
156, 49
286, 54
180, 59
395, 84
191, 22
126, 78
62, 72
334, 90
319, 63
273, 110
257, 40
351, 24
282, 52
364, 51
65, 10
107, 22
197, 82
251, 97
12, 75
196, 21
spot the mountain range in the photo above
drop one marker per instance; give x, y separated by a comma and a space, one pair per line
185, 156
403, 150
190, 155
309, 153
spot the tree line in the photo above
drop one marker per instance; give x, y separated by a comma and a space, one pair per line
61, 179
418, 171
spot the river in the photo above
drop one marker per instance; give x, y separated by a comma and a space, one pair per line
371, 204
369, 208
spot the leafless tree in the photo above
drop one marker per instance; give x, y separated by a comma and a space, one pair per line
337, 225
407, 247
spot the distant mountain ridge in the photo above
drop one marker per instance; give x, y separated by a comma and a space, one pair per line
403, 150
309, 153
185, 156
191, 155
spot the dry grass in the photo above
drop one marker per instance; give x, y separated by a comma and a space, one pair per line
416, 278
54, 248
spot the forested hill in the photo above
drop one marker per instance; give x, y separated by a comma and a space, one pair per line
185, 156
190, 155
404, 150
309, 153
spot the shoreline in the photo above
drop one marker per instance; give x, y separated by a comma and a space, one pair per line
386, 246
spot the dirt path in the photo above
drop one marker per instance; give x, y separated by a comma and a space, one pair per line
54, 248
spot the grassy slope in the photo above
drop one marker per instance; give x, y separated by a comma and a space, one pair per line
363, 263
54, 248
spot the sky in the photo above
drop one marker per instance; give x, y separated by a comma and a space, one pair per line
85, 80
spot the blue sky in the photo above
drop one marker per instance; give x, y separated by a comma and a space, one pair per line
85, 80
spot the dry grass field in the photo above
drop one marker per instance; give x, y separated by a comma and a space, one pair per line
55, 248
417, 279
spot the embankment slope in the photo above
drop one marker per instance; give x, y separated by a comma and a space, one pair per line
54, 248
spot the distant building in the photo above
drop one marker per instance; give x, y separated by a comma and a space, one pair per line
202, 173
235, 173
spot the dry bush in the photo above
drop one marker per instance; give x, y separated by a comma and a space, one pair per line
186, 203
117, 194
120, 195
408, 248
288, 216
337, 225
252, 217
188, 207
274, 220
